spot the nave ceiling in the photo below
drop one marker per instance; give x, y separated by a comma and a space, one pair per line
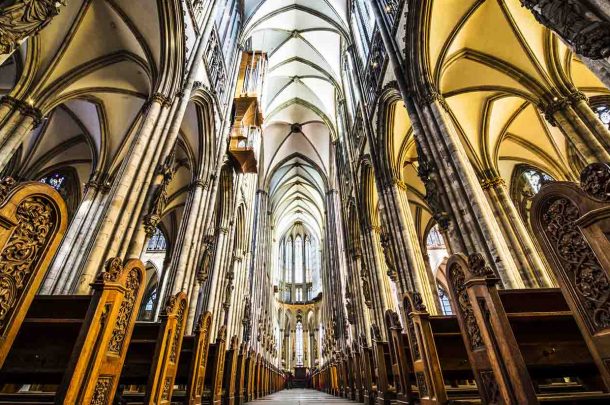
303, 42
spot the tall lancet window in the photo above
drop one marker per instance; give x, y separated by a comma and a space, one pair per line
298, 260
525, 184
299, 344
308, 260
289, 260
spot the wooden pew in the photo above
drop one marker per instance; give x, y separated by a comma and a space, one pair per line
192, 363
76, 344
348, 360
358, 394
368, 367
438, 355
571, 224
249, 376
386, 387
153, 356
399, 359
229, 374
510, 344
214, 373
240, 391
33, 220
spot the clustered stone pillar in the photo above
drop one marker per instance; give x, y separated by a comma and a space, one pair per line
403, 248
473, 222
529, 261
127, 187
79, 234
573, 116
17, 119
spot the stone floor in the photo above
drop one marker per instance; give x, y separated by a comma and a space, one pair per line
300, 397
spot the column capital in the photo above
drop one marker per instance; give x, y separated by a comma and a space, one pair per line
431, 95
161, 99
199, 183
549, 109
493, 182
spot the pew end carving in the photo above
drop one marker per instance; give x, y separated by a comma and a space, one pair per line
572, 225
33, 220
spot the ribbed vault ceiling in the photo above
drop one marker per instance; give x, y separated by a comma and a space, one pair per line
302, 39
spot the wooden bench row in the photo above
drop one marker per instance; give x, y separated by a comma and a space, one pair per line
513, 347
502, 346
90, 349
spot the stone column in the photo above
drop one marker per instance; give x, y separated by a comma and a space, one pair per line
81, 230
376, 274
184, 250
402, 248
581, 107
20, 118
126, 187
261, 235
531, 266
214, 284
360, 293
473, 226
589, 142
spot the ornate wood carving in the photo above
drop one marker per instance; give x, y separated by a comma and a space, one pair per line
33, 219
591, 283
199, 360
425, 360
572, 226
457, 279
94, 374
165, 362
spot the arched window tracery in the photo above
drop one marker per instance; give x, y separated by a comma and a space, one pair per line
603, 112
445, 301
298, 260
435, 247
157, 242
65, 181
526, 183
299, 344
288, 277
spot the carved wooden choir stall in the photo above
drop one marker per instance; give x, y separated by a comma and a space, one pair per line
90, 349
524, 346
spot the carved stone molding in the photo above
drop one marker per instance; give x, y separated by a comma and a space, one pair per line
575, 23
428, 174
159, 201
389, 256
20, 19
487, 184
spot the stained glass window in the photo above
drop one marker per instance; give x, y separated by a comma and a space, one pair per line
55, 180
527, 182
157, 242
298, 260
299, 344
435, 239
289, 260
603, 111
445, 302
